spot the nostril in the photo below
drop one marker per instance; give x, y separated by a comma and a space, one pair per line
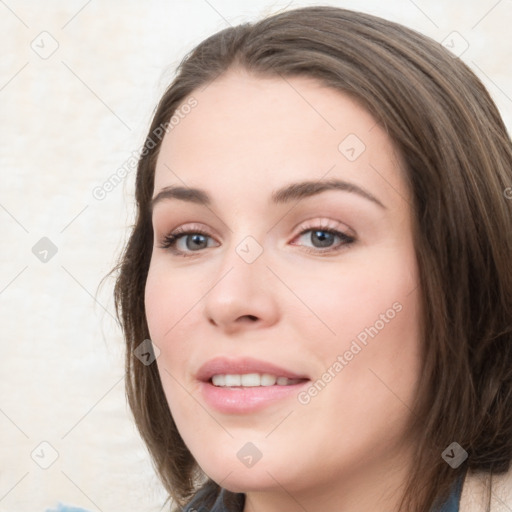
251, 317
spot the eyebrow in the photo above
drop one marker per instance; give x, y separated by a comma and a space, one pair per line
311, 188
293, 191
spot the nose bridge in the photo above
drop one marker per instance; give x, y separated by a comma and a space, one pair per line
239, 292
241, 268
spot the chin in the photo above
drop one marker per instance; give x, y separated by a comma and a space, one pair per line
247, 480
235, 476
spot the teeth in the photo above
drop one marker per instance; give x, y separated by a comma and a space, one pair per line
251, 380
219, 380
268, 380
232, 380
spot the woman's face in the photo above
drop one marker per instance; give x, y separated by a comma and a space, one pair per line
288, 315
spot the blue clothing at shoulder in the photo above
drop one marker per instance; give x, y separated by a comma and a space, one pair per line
65, 508
451, 505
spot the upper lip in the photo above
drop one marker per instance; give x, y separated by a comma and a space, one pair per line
240, 366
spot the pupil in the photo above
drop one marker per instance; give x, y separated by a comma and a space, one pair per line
322, 238
196, 242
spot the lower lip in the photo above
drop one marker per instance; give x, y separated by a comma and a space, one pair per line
239, 400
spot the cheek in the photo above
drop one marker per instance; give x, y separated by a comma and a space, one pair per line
367, 330
364, 292
375, 356
168, 298
169, 303
157, 306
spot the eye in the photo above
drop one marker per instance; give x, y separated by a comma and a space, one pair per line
323, 239
184, 242
315, 239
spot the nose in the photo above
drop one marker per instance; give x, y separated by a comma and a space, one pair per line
243, 295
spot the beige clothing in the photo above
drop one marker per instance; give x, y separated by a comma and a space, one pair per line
475, 497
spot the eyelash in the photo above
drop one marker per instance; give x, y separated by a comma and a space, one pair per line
169, 241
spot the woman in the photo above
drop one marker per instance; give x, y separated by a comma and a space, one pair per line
321, 258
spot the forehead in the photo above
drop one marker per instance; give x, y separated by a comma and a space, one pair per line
264, 132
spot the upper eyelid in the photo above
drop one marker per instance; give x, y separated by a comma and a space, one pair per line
328, 225
180, 232
299, 228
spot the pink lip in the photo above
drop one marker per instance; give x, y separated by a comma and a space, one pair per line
239, 400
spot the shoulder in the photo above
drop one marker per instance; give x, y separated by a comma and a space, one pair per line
475, 495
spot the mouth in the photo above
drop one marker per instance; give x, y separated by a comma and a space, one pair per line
252, 380
241, 386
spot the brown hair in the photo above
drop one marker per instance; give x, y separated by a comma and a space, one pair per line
458, 159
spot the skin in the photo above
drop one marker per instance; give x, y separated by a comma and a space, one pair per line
298, 307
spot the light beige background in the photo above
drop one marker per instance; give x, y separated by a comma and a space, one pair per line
69, 120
